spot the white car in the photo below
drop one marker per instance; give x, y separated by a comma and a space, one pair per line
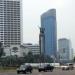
65, 67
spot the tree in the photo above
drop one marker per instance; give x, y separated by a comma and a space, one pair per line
49, 59
30, 54
1, 49
30, 57
74, 59
15, 49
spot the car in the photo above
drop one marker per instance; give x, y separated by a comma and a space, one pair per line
65, 67
71, 66
24, 69
68, 67
41, 68
45, 68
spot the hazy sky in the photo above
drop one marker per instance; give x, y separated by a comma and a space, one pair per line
32, 10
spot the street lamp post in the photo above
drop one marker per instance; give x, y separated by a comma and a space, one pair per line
10, 57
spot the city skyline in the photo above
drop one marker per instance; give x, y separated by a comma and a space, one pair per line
31, 18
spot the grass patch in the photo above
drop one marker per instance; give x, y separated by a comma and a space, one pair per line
7, 69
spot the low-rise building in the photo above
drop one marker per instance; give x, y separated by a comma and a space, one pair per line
12, 50
21, 50
34, 48
18, 50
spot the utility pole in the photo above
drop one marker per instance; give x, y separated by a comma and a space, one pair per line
10, 57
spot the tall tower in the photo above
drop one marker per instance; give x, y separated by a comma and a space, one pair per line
10, 22
48, 22
65, 50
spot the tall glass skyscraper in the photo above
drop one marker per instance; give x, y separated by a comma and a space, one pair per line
48, 22
10, 22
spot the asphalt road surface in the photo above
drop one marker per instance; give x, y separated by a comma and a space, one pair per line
35, 72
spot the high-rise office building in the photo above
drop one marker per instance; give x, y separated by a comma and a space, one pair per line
10, 22
65, 50
48, 22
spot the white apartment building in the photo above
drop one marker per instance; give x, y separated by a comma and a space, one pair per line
10, 22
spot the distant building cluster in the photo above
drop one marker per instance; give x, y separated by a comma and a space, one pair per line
11, 29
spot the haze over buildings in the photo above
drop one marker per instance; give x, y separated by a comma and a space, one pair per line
10, 19
32, 9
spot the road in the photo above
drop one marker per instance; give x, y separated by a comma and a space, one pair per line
35, 72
